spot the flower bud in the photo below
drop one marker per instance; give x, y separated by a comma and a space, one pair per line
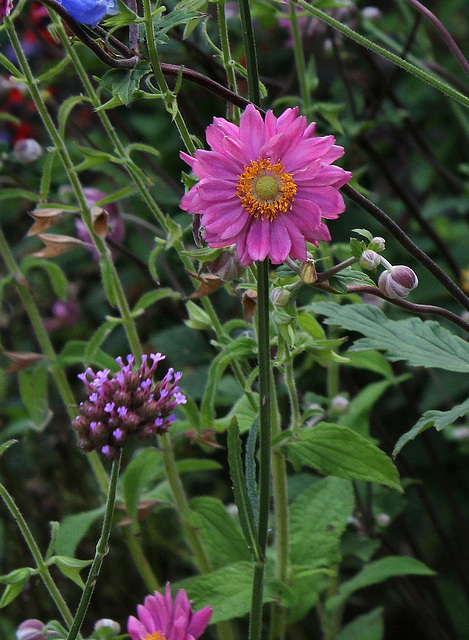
226, 267
383, 520
339, 405
27, 151
308, 272
398, 281
369, 259
31, 630
280, 297
371, 13
378, 244
112, 627
5, 8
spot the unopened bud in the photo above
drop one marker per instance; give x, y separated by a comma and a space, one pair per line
383, 520
112, 627
308, 272
226, 267
398, 281
369, 259
378, 244
371, 13
27, 151
339, 405
280, 297
31, 630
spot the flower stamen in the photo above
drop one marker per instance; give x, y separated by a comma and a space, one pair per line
156, 635
266, 189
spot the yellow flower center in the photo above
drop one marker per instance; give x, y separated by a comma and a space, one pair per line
266, 189
156, 635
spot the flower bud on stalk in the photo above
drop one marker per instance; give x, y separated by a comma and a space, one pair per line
397, 282
308, 272
369, 259
280, 297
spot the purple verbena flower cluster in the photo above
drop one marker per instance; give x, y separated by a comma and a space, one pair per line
126, 404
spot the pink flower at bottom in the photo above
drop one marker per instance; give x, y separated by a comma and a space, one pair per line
159, 618
266, 185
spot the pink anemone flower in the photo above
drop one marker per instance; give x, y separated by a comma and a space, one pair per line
266, 185
159, 618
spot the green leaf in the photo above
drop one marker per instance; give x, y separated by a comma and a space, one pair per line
357, 415
151, 297
122, 18
421, 343
338, 451
372, 360
228, 591
432, 418
16, 581
223, 540
188, 465
124, 82
244, 412
198, 317
6, 445
9, 194
73, 529
318, 518
349, 277
74, 352
245, 512
368, 626
57, 277
71, 567
33, 391
375, 572
141, 470
239, 348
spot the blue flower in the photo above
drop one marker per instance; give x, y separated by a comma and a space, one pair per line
89, 11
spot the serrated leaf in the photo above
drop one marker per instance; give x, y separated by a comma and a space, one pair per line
338, 451
432, 418
318, 518
222, 538
376, 572
421, 343
228, 591
75, 352
124, 82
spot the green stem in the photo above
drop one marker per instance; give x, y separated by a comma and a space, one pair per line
249, 43
395, 59
102, 549
169, 97
127, 319
299, 59
42, 568
140, 560
265, 399
47, 349
201, 558
282, 520
228, 63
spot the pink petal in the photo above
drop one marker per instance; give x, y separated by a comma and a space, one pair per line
280, 243
199, 622
136, 629
258, 239
251, 131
